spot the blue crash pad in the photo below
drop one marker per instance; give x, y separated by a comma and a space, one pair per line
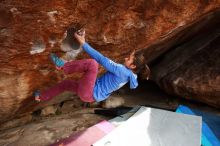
210, 125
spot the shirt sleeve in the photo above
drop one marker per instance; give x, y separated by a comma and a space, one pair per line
133, 81
107, 63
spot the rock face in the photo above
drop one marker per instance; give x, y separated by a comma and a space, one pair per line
30, 30
192, 68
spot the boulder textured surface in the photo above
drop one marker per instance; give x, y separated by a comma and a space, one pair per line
191, 69
31, 30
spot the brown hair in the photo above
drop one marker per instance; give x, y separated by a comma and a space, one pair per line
141, 67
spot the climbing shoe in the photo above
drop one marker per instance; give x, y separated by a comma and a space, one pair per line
59, 63
37, 95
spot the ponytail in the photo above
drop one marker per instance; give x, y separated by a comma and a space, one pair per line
145, 72
141, 67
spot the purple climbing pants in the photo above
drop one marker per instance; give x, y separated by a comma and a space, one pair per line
83, 88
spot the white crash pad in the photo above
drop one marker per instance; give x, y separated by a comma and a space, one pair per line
155, 127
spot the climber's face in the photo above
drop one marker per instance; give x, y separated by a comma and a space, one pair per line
129, 61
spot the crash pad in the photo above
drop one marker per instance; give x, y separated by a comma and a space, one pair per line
155, 127
210, 125
88, 136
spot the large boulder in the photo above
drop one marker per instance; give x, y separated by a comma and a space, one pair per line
191, 69
30, 30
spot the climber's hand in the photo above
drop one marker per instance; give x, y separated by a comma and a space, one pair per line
80, 36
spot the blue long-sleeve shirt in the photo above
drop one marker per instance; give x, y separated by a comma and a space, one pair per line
116, 76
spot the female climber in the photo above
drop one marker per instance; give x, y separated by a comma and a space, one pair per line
90, 88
